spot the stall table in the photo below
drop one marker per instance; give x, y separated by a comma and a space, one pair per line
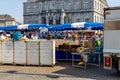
83, 59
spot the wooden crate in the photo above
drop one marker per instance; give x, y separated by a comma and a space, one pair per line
20, 52
33, 53
47, 52
7, 52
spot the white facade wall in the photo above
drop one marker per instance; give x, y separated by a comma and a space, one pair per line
99, 11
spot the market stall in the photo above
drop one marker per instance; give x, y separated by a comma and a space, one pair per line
44, 50
81, 32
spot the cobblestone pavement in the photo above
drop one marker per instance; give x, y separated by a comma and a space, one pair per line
62, 71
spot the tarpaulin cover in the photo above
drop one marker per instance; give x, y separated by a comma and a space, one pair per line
8, 27
24, 26
78, 25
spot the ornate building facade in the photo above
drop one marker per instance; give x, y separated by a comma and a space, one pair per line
55, 12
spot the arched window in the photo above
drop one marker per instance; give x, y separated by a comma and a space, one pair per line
78, 19
43, 20
87, 19
95, 18
58, 20
50, 20
69, 19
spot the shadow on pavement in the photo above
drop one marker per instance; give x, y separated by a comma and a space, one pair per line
52, 76
93, 72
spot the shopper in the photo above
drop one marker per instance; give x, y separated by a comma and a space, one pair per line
49, 37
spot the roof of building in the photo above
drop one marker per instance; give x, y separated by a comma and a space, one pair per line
6, 17
104, 1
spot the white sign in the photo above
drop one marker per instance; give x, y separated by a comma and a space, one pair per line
25, 26
78, 25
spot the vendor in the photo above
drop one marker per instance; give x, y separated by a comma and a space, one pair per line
98, 42
24, 36
75, 36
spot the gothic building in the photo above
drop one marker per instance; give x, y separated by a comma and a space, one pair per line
55, 12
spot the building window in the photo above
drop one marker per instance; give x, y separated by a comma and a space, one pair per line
43, 20
40, 6
69, 6
86, 4
95, 5
102, 19
28, 9
47, 6
98, 6
95, 19
35, 8
62, 4
78, 5
59, 5
36, 21
78, 19
28, 22
58, 20
69, 19
66, 19
87, 19
51, 5
51, 20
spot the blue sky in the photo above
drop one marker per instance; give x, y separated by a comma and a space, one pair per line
15, 7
